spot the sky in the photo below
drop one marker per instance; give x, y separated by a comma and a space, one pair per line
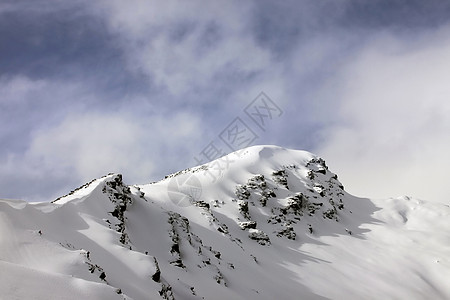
146, 88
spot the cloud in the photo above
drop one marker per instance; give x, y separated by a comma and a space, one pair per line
184, 51
28, 104
56, 135
168, 77
89, 145
19, 89
390, 134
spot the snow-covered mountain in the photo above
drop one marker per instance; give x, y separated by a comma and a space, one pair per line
262, 223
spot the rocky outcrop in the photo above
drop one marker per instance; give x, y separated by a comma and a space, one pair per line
120, 195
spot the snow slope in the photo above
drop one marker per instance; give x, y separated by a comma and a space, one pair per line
262, 223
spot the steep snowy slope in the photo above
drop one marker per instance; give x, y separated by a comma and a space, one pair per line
263, 223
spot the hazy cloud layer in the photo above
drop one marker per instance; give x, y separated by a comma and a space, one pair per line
141, 87
393, 127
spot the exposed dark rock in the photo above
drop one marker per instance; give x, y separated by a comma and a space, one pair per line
280, 177
157, 275
296, 204
288, 232
247, 225
259, 236
202, 204
242, 192
102, 276
166, 292
120, 195
178, 263
243, 209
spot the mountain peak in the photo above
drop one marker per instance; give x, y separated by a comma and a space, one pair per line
263, 222
88, 188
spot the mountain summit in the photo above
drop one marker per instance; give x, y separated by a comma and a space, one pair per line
262, 223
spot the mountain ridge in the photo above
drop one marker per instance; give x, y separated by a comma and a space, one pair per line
275, 223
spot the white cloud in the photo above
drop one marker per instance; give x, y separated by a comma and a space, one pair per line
392, 130
90, 144
19, 88
31, 95
55, 140
93, 144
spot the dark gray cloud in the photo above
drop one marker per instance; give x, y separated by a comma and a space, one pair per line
53, 43
65, 42
281, 26
397, 14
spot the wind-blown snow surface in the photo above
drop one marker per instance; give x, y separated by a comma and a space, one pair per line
277, 224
